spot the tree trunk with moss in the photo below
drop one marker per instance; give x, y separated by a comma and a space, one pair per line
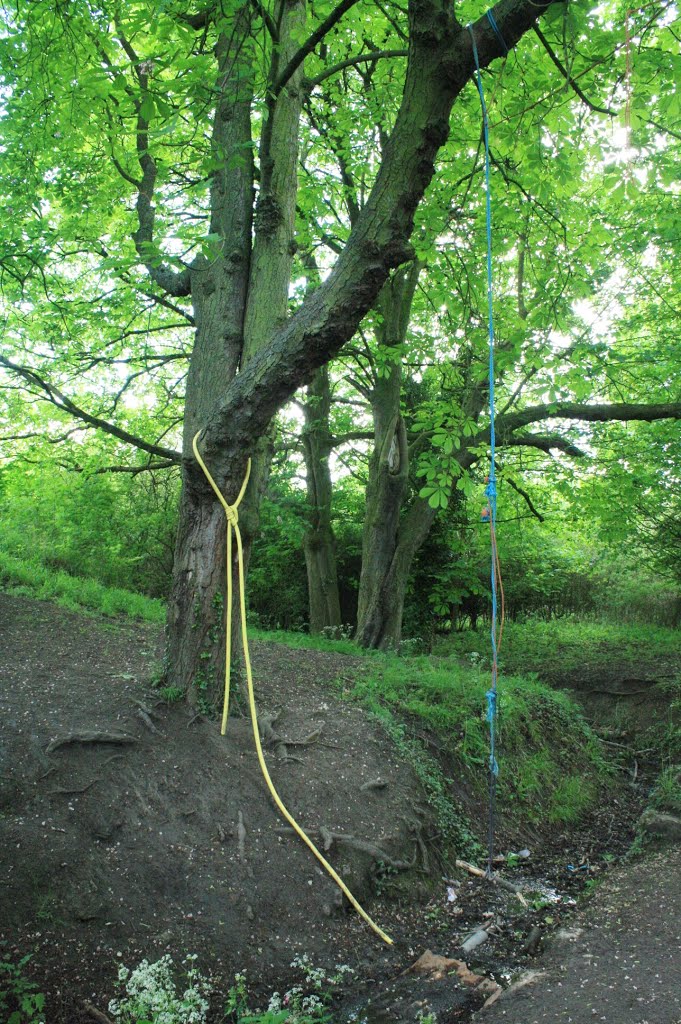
385, 558
319, 542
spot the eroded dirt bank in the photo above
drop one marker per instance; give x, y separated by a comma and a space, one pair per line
130, 828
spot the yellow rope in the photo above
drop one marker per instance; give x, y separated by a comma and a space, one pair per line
233, 524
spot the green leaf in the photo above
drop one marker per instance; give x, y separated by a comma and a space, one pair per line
147, 108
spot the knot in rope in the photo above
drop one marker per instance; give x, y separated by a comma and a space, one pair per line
491, 705
232, 515
230, 510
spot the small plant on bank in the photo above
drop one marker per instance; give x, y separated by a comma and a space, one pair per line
666, 795
152, 996
20, 1003
306, 1003
171, 694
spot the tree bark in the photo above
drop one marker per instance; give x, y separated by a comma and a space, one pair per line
383, 578
381, 622
219, 289
319, 541
240, 301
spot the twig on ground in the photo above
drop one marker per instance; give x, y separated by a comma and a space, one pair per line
72, 792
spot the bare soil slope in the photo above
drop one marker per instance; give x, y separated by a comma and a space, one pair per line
130, 827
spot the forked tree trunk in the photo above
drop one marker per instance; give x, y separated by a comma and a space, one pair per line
380, 625
319, 541
239, 303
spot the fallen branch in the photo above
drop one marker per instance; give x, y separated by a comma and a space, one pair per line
471, 869
502, 882
118, 738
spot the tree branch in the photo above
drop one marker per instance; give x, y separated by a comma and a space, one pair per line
588, 414
546, 443
160, 300
132, 470
52, 394
568, 77
199, 20
351, 435
169, 280
364, 58
310, 43
526, 498
267, 19
440, 65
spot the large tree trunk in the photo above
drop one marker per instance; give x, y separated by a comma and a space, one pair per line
319, 541
383, 578
380, 626
194, 655
239, 303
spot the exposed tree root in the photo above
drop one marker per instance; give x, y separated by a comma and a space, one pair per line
145, 718
361, 845
278, 745
374, 784
88, 736
73, 792
96, 1014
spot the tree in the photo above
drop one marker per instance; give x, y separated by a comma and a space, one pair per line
135, 168
547, 224
319, 543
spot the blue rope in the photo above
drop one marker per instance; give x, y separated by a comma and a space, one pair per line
497, 32
491, 489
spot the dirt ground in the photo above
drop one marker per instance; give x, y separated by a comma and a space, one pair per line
619, 961
129, 828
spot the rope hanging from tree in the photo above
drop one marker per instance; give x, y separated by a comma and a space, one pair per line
490, 512
231, 512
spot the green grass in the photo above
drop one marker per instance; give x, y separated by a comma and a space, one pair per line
666, 795
308, 642
21, 576
563, 646
551, 764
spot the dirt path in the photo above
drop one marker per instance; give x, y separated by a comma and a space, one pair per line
619, 962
